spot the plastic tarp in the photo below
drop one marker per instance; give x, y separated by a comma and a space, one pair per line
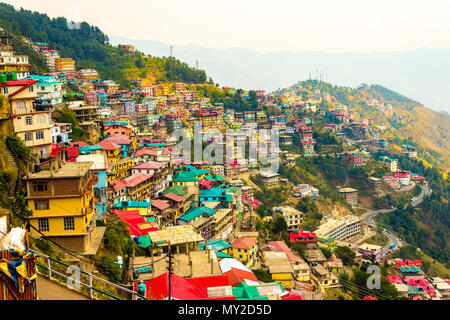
13, 240
144, 241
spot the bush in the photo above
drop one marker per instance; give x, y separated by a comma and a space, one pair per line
18, 148
262, 275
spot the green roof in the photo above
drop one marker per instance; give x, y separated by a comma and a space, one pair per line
222, 255
245, 292
216, 244
178, 190
197, 212
184, 176
144, 241
216, 177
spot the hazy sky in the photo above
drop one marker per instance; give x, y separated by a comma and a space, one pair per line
263, 25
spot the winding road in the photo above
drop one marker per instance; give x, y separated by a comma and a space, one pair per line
370, 215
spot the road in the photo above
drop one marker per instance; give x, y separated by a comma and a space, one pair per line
50, 290
370, 215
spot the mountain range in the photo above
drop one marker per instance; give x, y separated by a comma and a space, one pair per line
421, 74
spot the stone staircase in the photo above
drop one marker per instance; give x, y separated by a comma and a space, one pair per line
12, 163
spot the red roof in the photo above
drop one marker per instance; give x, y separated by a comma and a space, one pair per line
136, 179
369, 298
108, 145
150, 152
131, 216
184, 288
280, 246
118, 184
173, 196
236, 276
150, 165
79, 144
118, 140
244, 243
12, 83
303, 236
160, 204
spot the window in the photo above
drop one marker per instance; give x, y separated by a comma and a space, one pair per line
43, 224
28, 121
39, 135
40, 187
41, 205
245, 250
41, 119
28, 136
31, 88
6, 90
20, 104
69, 223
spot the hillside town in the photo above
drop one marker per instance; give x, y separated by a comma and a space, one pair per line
195, 225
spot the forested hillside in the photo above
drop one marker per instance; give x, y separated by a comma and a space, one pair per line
89, 46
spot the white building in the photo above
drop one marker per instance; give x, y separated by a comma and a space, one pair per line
340, 229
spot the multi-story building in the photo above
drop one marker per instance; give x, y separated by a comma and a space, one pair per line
340, 229
370, 251
30, 122
9, 62
357, 158
269, 180
61, 133
50, 91
293, 217
87, 74
404, 177
392, 164
279, 267
245, 249
50, 58
61, 199
64, 65
409, 151
350, 195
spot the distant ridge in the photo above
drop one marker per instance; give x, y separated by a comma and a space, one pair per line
418, 74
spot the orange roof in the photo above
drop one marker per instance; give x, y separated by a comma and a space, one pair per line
244, 243
236, 276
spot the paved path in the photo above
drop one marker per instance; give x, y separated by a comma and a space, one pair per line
49, 290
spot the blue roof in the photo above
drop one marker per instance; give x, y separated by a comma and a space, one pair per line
213, 192
197, 212
133, 204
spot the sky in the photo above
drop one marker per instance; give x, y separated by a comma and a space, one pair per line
265, 26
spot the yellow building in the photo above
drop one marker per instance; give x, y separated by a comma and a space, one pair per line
120, 169
62, 201
245, 249
279, 268
64, 64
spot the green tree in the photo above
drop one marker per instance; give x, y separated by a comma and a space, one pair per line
279, 225
346, 254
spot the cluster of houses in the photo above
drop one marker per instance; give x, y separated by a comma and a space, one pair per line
129, 171
411, 281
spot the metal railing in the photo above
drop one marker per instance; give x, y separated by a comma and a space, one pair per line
91, 277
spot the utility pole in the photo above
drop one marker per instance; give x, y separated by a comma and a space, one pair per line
170, 268
171, 50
